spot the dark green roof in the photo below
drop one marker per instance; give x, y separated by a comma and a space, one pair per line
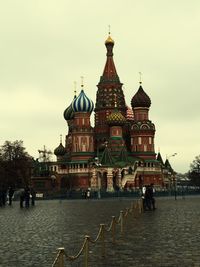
123, 156
107, 158
159, 158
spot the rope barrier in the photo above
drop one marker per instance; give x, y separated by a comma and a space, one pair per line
136, 208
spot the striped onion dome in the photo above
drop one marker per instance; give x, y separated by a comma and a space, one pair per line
129, 114
116, 118
60, 150
82, 103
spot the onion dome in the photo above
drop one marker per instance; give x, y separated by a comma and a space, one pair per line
68, 113
141, 99
82, 103
109, 40
129, 114
116, 118
60, 150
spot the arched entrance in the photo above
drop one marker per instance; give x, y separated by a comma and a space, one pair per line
115, 181
104, 181
65, 183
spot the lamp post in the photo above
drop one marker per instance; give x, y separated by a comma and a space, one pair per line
173, 177
98, 164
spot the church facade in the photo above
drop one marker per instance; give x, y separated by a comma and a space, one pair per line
118, 152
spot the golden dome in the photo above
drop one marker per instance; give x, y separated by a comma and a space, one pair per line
116, 118
109, 40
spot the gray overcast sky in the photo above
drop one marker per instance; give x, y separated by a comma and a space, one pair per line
46, 45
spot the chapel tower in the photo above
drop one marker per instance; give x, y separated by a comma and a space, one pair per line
109, 87
142, 129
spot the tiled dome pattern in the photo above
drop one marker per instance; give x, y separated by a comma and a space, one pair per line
116, 118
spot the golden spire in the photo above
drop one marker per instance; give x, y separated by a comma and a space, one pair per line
82, 83
61, 138
109, 40
108, 29
75, 88
140, 80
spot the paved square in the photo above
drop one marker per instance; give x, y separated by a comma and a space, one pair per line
169, 236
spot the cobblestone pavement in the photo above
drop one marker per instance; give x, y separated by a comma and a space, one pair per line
168, 236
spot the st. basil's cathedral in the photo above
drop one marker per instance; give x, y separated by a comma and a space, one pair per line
118, 152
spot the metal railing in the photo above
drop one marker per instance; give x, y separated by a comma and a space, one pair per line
62, 257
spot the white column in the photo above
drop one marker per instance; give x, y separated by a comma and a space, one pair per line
110, 180
119, 179
94, 182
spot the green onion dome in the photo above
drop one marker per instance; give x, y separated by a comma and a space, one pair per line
60, 150
82, 103
141, 99
68, 113
116, 118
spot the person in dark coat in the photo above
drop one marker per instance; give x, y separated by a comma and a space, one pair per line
148, 197
3, 195
33, 195
152, 192
27, 197
22, 197
10, 195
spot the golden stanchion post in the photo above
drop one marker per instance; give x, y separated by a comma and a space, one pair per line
86, 254
102, 239
121, 222
132, 207
127, 212
138, 207
61, 257
113, 229
141, 206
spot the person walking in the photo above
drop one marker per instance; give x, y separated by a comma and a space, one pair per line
10, 195
152, 193
33, 195
27, 197
4, 196
148, 197
22, 197
143, 197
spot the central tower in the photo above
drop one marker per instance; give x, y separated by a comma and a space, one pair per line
109, 91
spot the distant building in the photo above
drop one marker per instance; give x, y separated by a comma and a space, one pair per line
118, 152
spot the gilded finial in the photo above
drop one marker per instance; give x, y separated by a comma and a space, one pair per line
75, 84
82, 83
140, 81
108, 29
61, 138
109, 40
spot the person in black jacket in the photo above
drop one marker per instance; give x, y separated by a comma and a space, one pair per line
152, 192
27, 197
10, 195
